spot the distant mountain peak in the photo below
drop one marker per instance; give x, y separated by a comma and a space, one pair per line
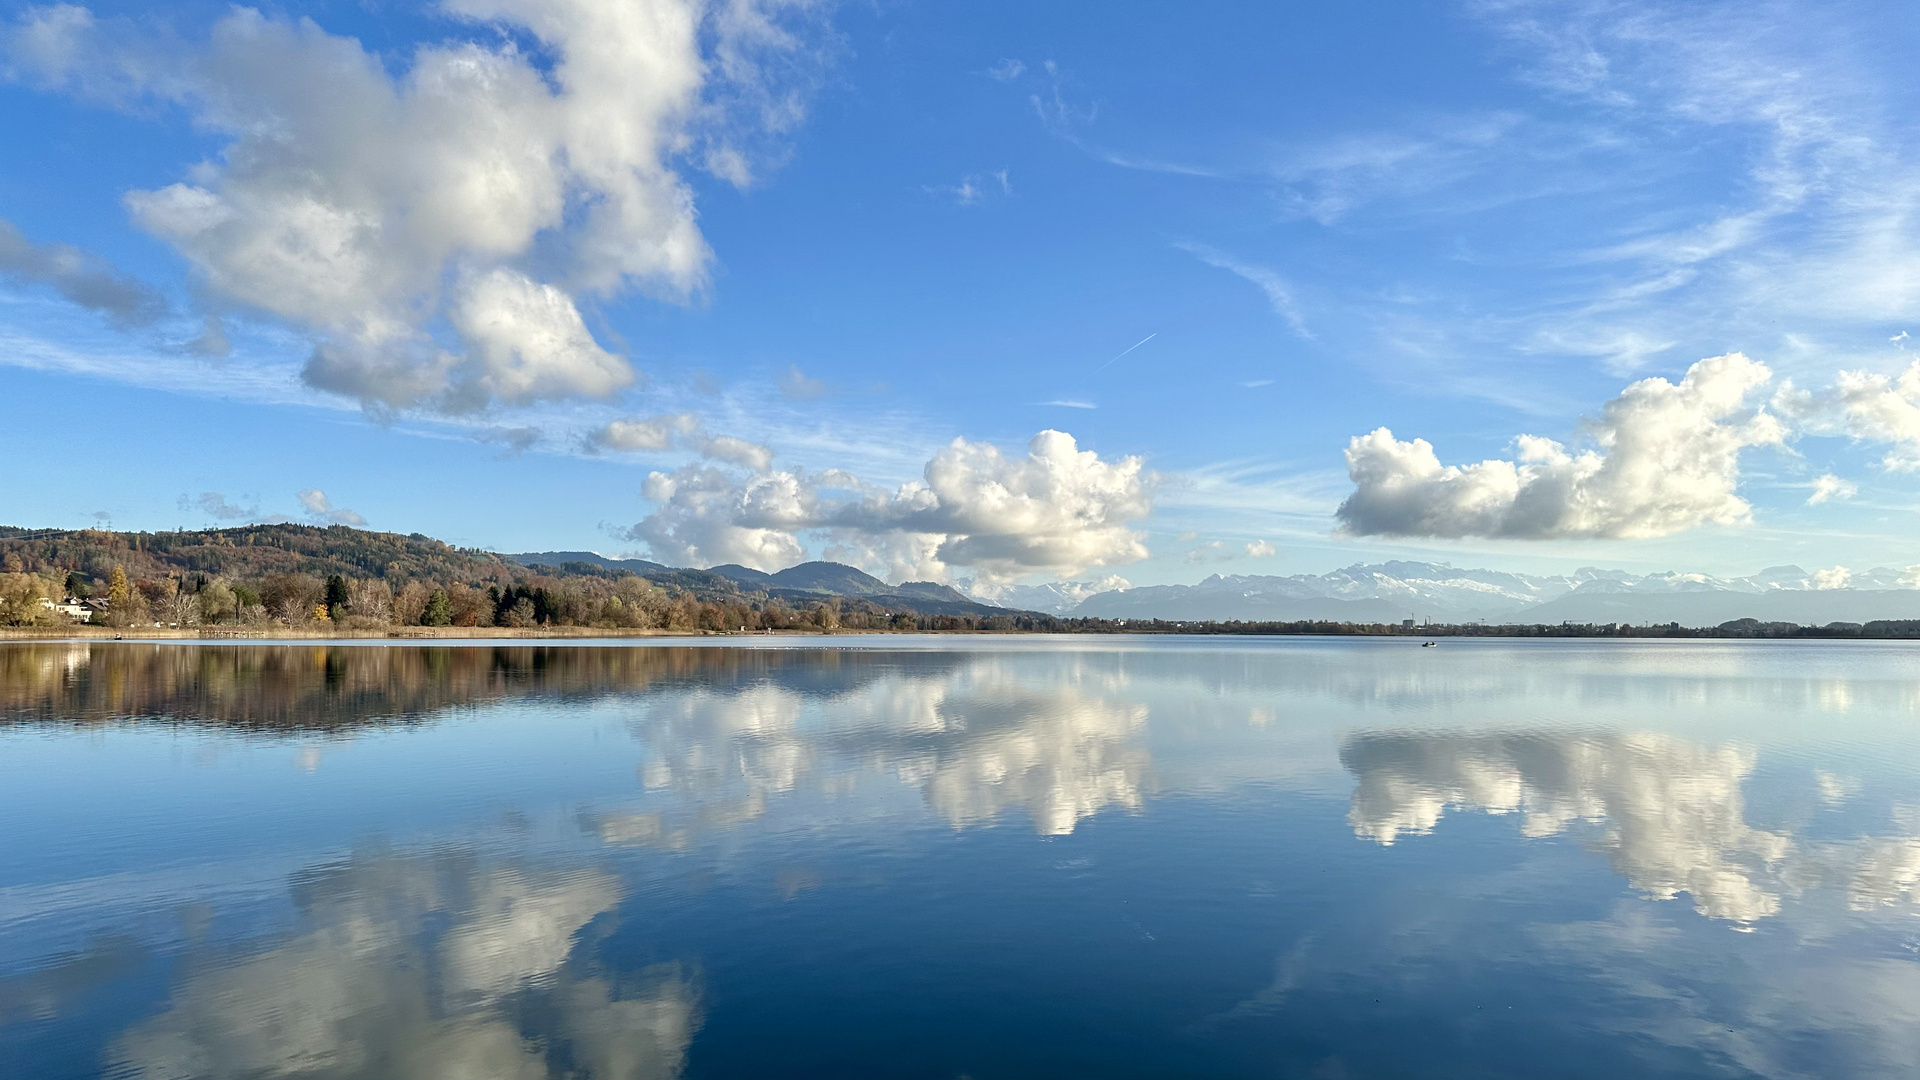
1392, 591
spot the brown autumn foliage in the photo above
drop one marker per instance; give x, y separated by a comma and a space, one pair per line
268, 575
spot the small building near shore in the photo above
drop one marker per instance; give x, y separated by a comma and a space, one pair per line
76, 610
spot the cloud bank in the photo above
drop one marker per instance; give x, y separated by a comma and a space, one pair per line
1059, 509
433, 230
1666, 459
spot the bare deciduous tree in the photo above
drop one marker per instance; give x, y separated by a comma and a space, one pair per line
370, 601
411, 604
180, 609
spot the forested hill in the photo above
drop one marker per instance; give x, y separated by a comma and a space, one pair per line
250, 552
259, 556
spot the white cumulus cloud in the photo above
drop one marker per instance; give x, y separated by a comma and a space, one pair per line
1836, 577
739, 451
708, 516
679, 431
433, 226
1866, 406
323, 512
1058, 509
1666, 457
1827, 486
656, 433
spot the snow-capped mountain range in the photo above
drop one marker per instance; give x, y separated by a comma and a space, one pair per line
1392, 591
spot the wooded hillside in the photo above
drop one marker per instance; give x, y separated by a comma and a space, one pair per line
303, 575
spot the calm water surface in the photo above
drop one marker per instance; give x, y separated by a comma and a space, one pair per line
929, 857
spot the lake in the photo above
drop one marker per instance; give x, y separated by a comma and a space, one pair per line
951, 857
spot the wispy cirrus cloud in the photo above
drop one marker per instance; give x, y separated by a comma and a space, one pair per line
974, 189
1007, 70
1684, 179
1278, 291
1816, 208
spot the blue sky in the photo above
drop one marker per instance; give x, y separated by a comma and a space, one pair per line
800, 249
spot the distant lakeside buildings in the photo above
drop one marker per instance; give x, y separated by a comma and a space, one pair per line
74, 609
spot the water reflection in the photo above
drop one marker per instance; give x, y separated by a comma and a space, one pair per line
1672, 812
445, 965
979, 735
296, 688
976, 737
1886, 873
526, 861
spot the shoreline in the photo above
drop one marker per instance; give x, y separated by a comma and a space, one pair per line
427, 633
560, 634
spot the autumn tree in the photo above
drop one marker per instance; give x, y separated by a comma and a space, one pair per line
217, 601
125, 606
20, 600
471, 606
410, 604
683, 613
292, 598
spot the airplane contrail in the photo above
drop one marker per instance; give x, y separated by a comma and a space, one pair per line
1135, 345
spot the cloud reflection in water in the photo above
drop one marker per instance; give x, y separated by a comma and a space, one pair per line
975, 737
1672, 812
424, 966
782, 814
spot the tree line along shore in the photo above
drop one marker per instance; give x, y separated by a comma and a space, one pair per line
530, 602
297, 580
309, 580
706, 621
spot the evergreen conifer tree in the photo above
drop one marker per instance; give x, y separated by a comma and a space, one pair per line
336, 596
439, 610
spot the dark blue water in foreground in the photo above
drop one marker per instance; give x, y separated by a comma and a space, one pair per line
973, 857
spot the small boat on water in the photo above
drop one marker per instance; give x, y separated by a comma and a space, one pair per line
1429, 644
